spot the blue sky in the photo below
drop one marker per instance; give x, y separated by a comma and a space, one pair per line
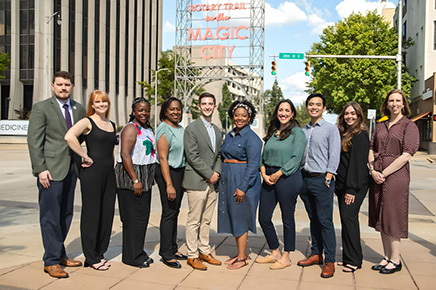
290, 26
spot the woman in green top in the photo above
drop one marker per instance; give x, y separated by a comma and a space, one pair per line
169, 176
282, 180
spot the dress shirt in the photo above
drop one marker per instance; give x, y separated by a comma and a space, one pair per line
69, 109
323, 148
210, 130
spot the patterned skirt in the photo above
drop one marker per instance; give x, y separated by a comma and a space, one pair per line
145, 175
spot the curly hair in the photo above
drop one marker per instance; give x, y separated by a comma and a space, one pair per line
348, 132
275, 123
248, 106
135, 102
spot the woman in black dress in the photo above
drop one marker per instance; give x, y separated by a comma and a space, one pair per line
97, 178
352, 182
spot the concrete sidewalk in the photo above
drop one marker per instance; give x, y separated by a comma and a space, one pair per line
21, 248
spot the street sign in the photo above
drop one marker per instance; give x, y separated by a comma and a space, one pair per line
291, 55
371, 114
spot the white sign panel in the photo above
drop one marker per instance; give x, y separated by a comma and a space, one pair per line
14, 127
371, 114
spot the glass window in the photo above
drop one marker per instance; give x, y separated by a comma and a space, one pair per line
24, 56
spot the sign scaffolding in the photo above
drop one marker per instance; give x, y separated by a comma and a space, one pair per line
219, 40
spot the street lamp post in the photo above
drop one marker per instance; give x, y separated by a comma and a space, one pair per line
58, 22
155, 95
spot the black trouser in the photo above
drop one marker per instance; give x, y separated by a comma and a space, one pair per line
284, 192
134, 213
170, 212
56, 205
352, 249
98, 204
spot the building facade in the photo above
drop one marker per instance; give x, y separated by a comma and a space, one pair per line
419, 23
106, 44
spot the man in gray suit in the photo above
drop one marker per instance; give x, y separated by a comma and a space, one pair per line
52, 164
202, 142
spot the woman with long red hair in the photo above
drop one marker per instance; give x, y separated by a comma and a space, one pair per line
97, 178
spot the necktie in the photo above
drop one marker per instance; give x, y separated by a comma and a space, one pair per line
67, 116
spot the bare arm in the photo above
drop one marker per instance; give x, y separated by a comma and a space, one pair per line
377, 176
163, 148
128, 140
82, 127
397, 164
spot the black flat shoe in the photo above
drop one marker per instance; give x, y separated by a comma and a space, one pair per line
393, 270
175, 265
181, 257
378, 267
150, 260
144, 265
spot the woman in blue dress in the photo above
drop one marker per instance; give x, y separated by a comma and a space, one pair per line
240, 182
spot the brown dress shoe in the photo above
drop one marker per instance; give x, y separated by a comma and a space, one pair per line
311, 260
328, 270
196, 264
56, 271
65, 261
209, 259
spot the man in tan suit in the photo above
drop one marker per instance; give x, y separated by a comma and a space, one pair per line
202, 141
52, 164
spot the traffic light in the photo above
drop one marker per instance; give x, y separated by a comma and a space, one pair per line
274, 68
434, 117
307, 63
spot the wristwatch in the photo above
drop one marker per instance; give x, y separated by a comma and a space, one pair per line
136, 181
327, 181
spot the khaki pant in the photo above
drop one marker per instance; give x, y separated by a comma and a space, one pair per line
201, 208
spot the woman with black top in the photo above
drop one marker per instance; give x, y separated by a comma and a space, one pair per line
97, 178
352, 182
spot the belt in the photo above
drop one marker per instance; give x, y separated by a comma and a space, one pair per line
234, 161
308, 174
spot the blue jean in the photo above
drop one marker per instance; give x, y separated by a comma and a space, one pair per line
318, 200
284, 192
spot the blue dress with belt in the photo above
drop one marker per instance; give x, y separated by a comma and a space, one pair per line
238, 218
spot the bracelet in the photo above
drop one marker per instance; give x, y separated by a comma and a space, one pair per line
136, 181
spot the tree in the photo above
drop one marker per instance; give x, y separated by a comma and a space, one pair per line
272, 98
4, 63
302, 116
365, 81
166, 81
225, 104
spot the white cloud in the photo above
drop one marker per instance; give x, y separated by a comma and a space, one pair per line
286, 13
168, 27
294, 86
318, 24
347, 7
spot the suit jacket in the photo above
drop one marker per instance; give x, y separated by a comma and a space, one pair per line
45, 137
201, 161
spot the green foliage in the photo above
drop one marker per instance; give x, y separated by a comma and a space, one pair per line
272, 98
4, 63
302, 116
365, 81
225, 104
22, 113
165, 88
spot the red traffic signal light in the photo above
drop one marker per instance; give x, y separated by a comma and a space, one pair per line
434, 117
307, 69
274, 68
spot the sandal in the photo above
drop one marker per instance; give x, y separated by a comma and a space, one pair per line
266, 260
106, 262
350, 268
378, 267
340, 263
100, 267
234, 266
233, 259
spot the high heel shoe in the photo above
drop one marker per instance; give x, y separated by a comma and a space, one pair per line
378, 267
397, 268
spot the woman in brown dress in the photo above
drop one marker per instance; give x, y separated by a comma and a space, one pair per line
393, 143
